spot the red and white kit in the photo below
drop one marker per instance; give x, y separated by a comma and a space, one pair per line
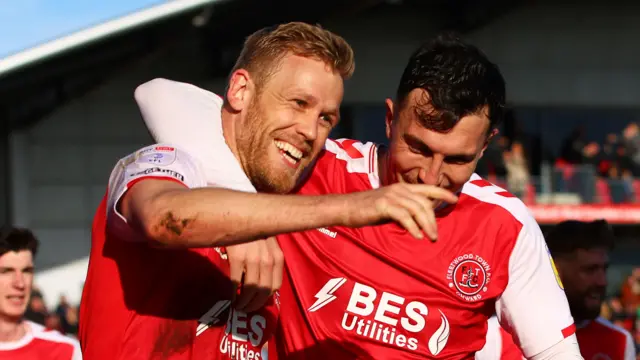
39, 343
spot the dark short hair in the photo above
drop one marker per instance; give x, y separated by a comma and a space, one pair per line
459, 79
569, 236
17, 239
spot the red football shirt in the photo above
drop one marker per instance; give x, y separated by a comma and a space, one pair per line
598, 340
376, 292
39, 344
142, 303
499, 345
601, 340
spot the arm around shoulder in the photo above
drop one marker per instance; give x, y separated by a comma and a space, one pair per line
159, 192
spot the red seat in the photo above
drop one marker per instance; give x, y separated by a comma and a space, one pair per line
530, 195
636, 190
603, 192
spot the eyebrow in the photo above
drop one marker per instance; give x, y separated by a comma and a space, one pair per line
312, 100
415, 141
305, 96
9, 268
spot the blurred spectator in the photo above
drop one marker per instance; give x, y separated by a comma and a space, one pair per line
517, 170
613, 309
572, 147
67, 315
631, 290
608, 155
619, 176
63, 306
53, 323
590, 154
631, 142
609, 146
570, 176
36, 310
71, 321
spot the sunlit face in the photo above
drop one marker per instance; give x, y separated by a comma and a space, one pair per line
584, 275
285, 125
16, 279
421, 156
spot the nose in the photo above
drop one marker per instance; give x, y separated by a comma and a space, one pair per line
430, 172
307, 126
19, 281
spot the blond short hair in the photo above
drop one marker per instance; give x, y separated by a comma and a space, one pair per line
264, 50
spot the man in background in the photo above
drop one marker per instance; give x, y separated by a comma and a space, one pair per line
581, 252
19, 338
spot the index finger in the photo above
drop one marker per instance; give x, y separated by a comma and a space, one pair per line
278, 264
249, 285
236, 272
434, 192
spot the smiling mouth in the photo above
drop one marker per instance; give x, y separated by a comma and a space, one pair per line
291, 154
16, 299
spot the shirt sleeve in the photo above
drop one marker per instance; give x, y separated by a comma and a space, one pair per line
77, 353
191, 118
160, 161
534, 307
566, 349
630, 347
493, 345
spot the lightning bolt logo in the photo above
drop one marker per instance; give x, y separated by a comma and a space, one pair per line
325, 295
212, 316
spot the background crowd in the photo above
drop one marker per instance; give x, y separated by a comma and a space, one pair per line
606, 172
62, 316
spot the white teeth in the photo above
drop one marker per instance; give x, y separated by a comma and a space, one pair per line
289, 149
289, 158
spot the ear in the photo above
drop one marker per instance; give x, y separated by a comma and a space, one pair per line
487, 141
388, 118
238, 90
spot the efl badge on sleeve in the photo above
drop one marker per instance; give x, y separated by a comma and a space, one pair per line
158, 155
555, 270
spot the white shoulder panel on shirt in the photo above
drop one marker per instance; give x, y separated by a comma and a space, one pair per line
602, 321
487, 192
493, 343
55, 336
190, 118
37, 331
359, 157
35, 327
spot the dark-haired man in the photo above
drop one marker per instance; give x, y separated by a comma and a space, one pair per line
581, 251
21, 339
376, 292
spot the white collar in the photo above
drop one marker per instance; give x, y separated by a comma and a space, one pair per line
26, 339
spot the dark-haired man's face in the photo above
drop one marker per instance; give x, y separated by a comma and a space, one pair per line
584, 275
420, 155
16, 279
